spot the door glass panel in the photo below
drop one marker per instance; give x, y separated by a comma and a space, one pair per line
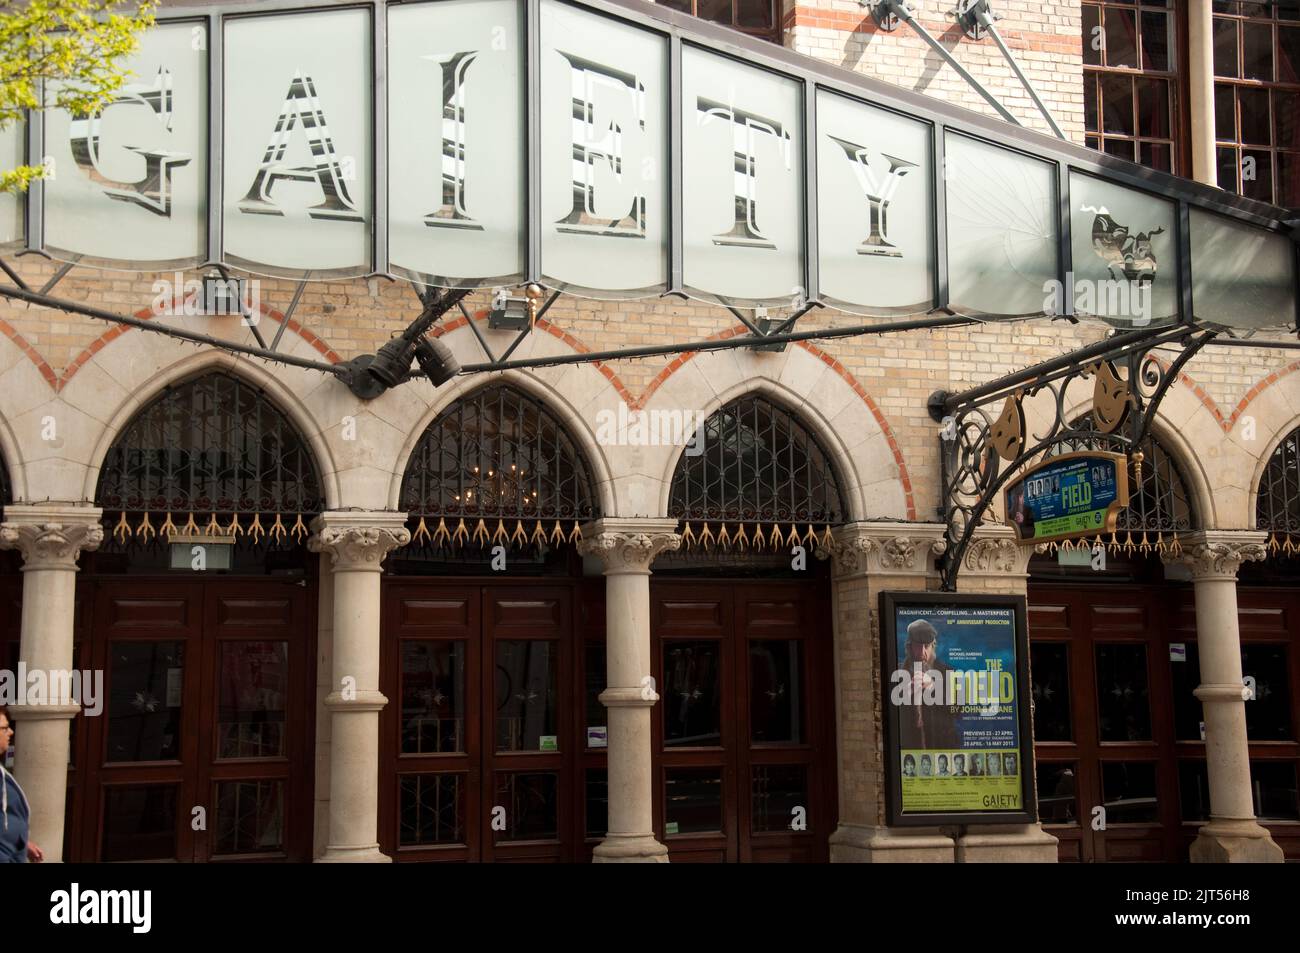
531, 803
140, 823
432, 809
1193, 791
1274, 788
776, 791
597, 802
692, 800
597, 719
254, 683
1050, 667
1128, 792
1057, 793
692, 695
433, 696
775, 696
1184, 677
1122, 709
144, 705
525, 694
1268, 714
250, 817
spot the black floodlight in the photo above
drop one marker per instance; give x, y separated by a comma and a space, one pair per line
436, 361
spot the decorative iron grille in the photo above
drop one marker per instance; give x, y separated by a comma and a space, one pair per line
1158, 501
214, 446
6, 490
757, 464
499, 454
1277, 509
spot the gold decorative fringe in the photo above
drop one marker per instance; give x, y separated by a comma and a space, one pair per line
827, 539
145, 530
234, 530
255, 530
774, 539
706, 537
688, 537
421, 532
1289, 545
1146, 544
576, 534
213, 528
278, 531
1114, 543
724, 538
1175, 547
1273, 544
1129, 547
481, 533
557, 534
299, 531
441, 535
741, 539
520, 536
501, 535
461, 533
168, 528
122, 531
539, 535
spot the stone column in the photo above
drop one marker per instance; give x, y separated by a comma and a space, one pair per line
1232, 834
627, 547
357, 543
869, 558
995, 562
50, 538
1200, 41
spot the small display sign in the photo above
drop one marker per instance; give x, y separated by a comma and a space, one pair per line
1076, 494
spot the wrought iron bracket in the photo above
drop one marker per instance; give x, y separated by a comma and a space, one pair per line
981, 450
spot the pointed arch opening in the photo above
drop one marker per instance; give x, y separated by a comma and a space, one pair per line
1277, 503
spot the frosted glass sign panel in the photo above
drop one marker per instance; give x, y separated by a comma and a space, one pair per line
13, 153
456, 143
1242, 277
874, 209
604, 122
130, 183
1001, 229
298, 175
742, 132
1125, 269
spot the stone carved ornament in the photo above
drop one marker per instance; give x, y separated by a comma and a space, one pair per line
358, 545
629, 550
51, 545
1221, 558
896, 553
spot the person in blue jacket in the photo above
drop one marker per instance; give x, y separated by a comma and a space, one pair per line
15, 848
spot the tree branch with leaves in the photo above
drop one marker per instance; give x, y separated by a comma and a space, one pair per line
63, 54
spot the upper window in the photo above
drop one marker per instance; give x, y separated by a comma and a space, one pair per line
1257, 99
1278, 506
749, 16
1130, 85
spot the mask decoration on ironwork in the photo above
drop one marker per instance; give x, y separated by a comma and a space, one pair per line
1110, 398
302, 106
154, 190
879, 191
453, 213
601, 140
1124, 253
746, 127
1007, 435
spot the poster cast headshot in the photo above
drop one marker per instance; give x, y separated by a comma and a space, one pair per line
977, 765
925, 726
926, 766
995, 764
943, 765
909, 766
959, 766
1009, 765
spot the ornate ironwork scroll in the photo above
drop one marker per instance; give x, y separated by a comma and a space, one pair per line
497, 468
1277, 508
981, 452
213, 447
756, 478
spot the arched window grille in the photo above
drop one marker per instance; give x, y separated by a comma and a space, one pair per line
211, 456
6, 490
1159, 506
497, 466
1277, 508
755, 465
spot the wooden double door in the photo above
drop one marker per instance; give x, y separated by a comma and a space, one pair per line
1120, 753
493, 742
202, 750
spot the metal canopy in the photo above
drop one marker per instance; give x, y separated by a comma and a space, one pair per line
984, 205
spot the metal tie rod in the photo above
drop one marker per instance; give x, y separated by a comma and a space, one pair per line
978, 11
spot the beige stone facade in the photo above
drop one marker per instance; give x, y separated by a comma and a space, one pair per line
70, 384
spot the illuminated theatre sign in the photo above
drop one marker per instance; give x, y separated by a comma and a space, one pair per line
614, 150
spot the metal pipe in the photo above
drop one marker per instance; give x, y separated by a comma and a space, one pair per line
985, 19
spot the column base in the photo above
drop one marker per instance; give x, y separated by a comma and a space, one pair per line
1003, 844
1234, 842
858, 844
630, 849
370, 854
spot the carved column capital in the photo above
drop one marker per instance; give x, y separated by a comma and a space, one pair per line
628, 545
358, 541
994, 551
51, 538
1218, 554
871, 548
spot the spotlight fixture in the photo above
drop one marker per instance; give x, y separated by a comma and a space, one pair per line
436, 361
766, 325
392, 361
